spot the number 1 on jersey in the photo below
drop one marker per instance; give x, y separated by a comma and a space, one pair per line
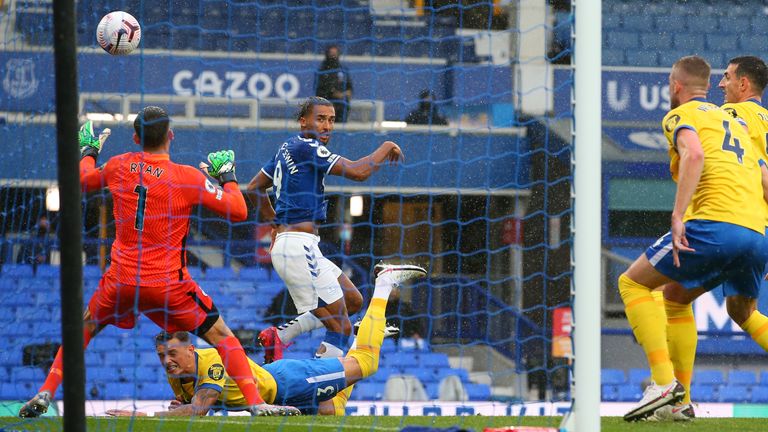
141, 205
736, 146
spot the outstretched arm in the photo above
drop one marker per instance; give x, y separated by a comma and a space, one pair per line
201, 403
362, 169
226, 200
258, 187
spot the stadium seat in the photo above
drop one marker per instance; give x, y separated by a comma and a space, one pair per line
708, 377
655, 41
367, 391
434, 360
638, 376
461, 373
16, 271
639, 22
630, 393
120, 358
692, 42
612, 377
642, 58
383, 374
610, 393
433, 390
759, 394
101, 374
478, 392
13, 391
28, 374
665, 22
741, 377
613, 57
703, 393
220, 273
622, 40
611, 21
156, 391
256, 274
47, 271
734, 394
120, 391
425, 375
195, 272
92, 272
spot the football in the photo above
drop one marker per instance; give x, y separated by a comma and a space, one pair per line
118, 33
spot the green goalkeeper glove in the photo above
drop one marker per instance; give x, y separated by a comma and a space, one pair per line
89, 144
221, 166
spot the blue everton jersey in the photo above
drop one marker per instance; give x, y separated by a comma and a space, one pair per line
298, 173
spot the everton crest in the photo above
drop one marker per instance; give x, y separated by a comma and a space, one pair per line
19, 80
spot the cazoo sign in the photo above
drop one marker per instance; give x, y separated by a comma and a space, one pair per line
235, 84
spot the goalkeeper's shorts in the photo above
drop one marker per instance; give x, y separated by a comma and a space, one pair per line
726, 254
309, 276
176, 306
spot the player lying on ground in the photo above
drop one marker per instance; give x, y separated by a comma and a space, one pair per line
318, 385
323, 295
153, 198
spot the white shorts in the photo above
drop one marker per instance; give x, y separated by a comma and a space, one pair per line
308, 275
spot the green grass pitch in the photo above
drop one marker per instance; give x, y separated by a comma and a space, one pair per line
360, 423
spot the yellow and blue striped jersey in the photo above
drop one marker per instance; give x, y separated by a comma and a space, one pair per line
756, 118
210, 373
730, 188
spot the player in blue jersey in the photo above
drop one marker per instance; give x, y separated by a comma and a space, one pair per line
322, 293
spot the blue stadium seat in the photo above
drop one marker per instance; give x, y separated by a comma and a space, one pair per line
708, 24
692, 42
92, 272
758, 26
47, 271
741, 377
461, 373
195, 272
613, 57
425, 375
639, 23
703, 393
383, 374
754, 41
120, 391
612, 377
28, 374
665, 22
388, 346
16, 271
156, 391
256, 274
668, 57
642, 58
622, 40
721, 42
367, 391
733, 394
759, 394
637, 376
434, 360
93, 358
13, 391
220, 273
655, 41
708, 377
611, 21
433, 390
120, 358
610, 393
478, 392
630, 393
101, 374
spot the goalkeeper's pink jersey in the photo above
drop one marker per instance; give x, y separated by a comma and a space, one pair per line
152, 199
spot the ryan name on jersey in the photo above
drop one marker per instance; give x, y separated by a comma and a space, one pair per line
141, 167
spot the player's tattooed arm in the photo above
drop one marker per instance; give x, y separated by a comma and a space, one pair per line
204, 399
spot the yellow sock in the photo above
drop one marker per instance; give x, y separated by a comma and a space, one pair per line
650, 329
681, 341
757, 327
340, 401
370, 336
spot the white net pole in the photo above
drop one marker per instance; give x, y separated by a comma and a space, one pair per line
587, 239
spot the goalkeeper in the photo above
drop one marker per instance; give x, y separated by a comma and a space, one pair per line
153, 198
319, 385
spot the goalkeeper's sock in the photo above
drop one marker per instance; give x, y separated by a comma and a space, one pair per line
56, 373
681, 341
340, 401
649, 328
303, 323
370, 336
757, 327
237, 367
383, 286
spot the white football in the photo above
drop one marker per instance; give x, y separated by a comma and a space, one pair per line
118, 33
